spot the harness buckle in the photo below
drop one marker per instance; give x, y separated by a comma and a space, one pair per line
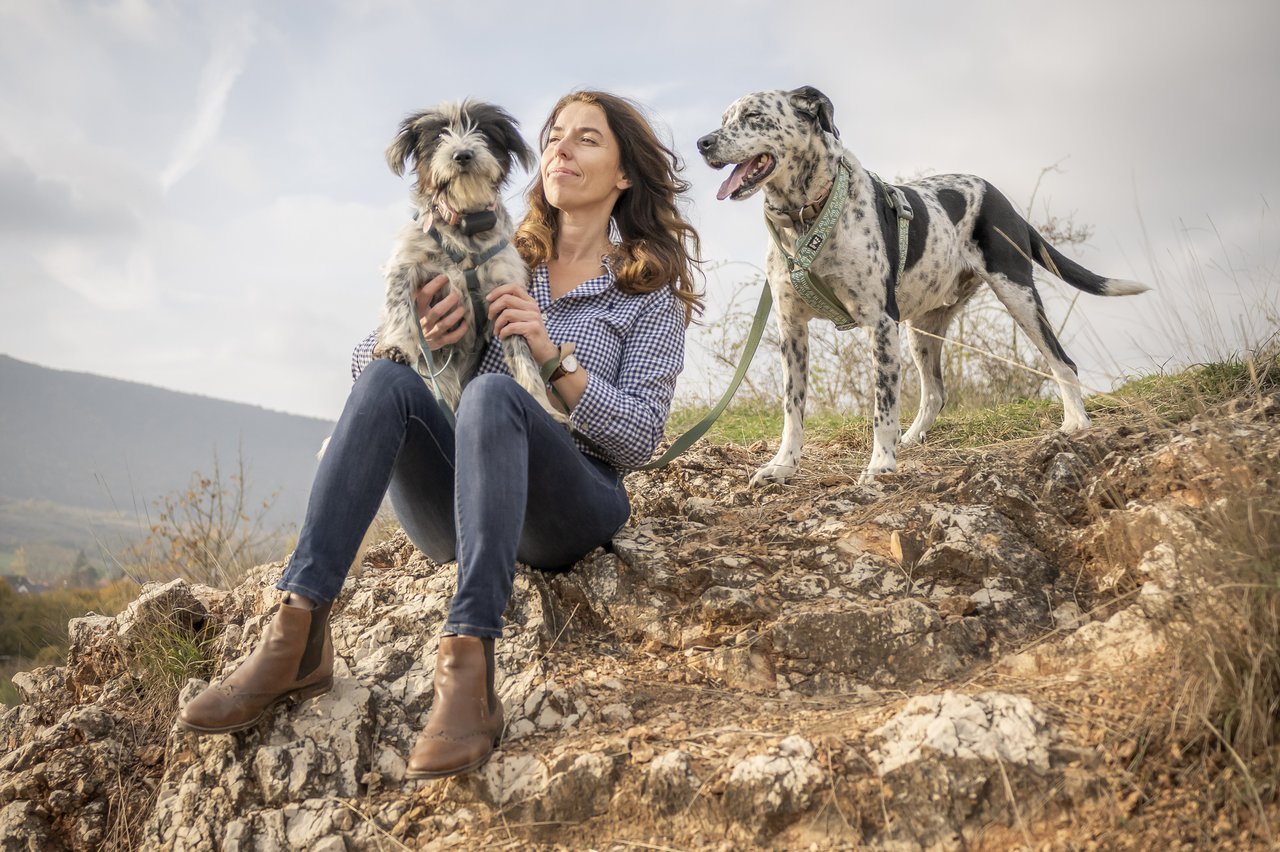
898, 199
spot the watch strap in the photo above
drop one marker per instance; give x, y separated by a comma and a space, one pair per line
554, 368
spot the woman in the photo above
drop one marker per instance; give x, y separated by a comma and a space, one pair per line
612, 273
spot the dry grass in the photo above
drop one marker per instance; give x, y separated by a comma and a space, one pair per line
1222, 721
163, 655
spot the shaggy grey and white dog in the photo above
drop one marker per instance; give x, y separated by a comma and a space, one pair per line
964, 232
462, 153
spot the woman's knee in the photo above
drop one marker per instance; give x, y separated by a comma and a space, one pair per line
492, 397
385, 383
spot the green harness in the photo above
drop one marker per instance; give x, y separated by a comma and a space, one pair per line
815, 292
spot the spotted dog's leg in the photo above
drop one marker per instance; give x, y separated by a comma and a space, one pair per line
926, 351
885, 425
795, 373
1024, 305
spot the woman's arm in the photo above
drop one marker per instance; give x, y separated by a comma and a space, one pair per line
626, 419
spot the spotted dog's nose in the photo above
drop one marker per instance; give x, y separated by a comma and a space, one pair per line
705, 143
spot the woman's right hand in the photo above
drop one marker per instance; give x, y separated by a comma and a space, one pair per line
445, 321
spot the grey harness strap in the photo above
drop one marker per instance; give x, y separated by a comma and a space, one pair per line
474, 261
471, 273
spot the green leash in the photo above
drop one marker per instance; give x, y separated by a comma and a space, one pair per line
681, 444
748, 353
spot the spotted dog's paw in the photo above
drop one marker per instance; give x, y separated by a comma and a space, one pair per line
913, 436
875, 468
778, 473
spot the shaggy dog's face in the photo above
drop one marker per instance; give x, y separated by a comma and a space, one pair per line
761, 133
462, 152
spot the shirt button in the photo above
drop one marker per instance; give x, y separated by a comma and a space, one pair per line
544, 317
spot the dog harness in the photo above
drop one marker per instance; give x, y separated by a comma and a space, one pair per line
815, 292
470, 264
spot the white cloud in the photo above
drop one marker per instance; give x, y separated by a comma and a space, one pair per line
226, 62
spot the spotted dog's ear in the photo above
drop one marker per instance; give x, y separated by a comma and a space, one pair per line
503, 133
417, 136
810, 102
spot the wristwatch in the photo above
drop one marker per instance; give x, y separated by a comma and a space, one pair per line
565, 363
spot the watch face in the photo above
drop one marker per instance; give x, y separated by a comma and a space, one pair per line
570, 363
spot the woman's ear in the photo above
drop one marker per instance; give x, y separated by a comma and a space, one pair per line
624, 182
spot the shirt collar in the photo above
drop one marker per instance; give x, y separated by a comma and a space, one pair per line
592, 286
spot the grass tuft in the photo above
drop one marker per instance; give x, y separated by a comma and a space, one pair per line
1158, 399
164, 654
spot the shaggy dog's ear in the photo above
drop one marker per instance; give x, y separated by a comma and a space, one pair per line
811, 103
417, 134
503, 133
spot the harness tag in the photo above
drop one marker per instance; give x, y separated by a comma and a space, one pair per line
815, 242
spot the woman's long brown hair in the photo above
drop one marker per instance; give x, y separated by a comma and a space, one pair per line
659, 247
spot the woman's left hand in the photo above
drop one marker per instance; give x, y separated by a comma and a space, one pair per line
513, 311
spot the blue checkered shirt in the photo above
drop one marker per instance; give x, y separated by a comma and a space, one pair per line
632, 347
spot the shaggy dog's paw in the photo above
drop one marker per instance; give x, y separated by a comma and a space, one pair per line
392, 353
778, 473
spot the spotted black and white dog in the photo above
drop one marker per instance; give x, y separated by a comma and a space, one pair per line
964, 232
463, 154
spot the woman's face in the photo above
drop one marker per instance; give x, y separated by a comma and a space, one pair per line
581, 164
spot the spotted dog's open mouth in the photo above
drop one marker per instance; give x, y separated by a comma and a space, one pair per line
746, 176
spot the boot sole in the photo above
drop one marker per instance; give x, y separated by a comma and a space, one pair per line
417, 774
297, 696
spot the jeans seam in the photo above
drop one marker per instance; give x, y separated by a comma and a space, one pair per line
459, 626
306, 591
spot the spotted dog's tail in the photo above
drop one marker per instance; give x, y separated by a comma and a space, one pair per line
1076, 275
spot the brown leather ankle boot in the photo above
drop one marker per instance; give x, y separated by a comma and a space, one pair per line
293, 662
466, 715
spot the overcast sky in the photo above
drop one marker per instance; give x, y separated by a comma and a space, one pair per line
193, 195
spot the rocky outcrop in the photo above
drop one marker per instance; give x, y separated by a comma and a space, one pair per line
826, 663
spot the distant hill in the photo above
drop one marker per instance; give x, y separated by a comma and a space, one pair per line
88, 443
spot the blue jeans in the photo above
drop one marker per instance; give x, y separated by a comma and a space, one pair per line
509, 484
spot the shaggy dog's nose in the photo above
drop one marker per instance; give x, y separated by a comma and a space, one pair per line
463, 157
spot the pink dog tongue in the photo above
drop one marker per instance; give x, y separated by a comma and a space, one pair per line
734, 180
